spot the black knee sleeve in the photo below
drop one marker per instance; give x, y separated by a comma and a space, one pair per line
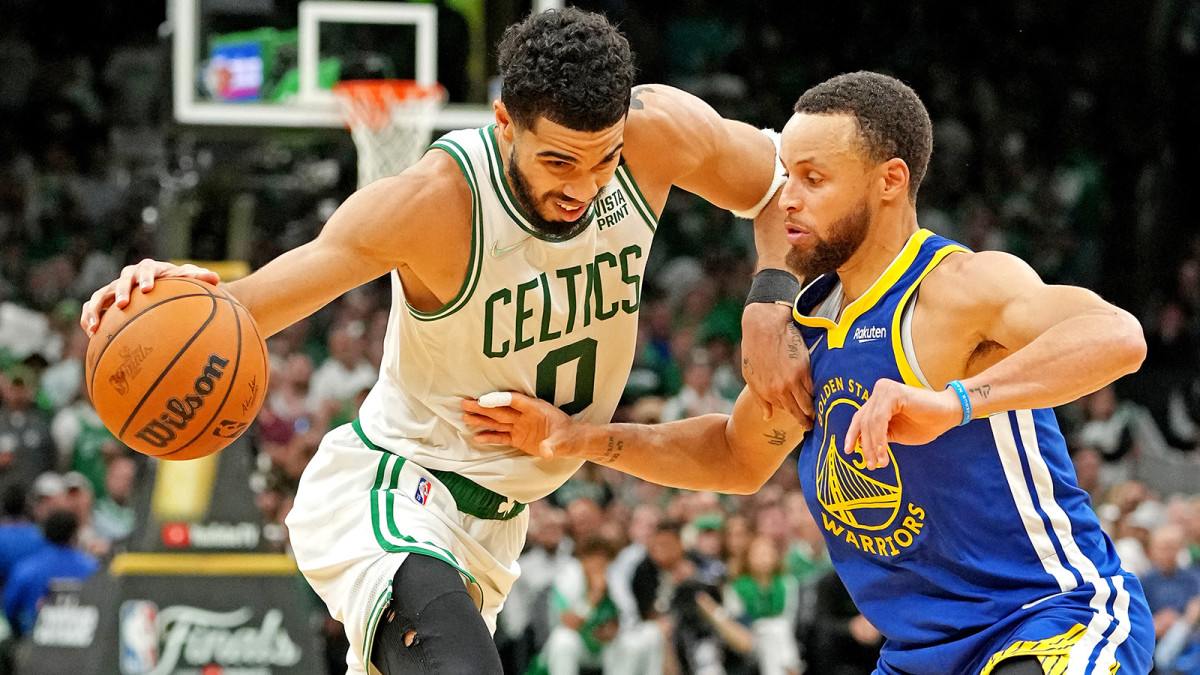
1022, 665
433, 625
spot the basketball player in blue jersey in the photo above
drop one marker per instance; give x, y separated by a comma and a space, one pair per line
516, 253
935, 465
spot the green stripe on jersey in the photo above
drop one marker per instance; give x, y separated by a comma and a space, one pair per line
500, 181
475, 264
391, 539
635, 195
381, 604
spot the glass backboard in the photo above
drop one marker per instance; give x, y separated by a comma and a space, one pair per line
270, 63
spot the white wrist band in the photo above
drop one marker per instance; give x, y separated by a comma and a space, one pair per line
776, 181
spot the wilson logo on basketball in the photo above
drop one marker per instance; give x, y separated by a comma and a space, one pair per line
131, 365
179, 412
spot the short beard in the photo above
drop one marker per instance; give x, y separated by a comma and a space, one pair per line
557, 230
845, 236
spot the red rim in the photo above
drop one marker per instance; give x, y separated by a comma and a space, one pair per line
371, 101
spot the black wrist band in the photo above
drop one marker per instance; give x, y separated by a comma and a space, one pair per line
772, 285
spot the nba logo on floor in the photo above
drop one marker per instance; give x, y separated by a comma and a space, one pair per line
422, 491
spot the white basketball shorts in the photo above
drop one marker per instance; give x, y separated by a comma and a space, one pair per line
359, 512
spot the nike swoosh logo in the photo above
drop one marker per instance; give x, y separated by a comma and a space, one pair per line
1040, 601
819, 338
499, 252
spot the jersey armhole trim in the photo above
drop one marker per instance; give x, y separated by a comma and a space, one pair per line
908, 370
475, 264
625, 178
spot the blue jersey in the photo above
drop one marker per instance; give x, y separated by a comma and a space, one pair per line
975, 547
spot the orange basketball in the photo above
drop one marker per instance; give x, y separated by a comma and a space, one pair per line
179, 372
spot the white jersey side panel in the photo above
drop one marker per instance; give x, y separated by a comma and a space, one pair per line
556, 320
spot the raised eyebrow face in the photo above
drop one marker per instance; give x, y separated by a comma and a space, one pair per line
554, 154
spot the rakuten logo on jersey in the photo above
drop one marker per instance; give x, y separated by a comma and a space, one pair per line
869, 333
161, 642
211, 535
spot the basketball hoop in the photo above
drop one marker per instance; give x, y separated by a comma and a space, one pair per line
391, 122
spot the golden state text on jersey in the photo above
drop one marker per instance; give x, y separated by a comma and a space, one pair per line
973, 548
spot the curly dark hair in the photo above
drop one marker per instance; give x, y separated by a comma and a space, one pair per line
892, 121
570, 66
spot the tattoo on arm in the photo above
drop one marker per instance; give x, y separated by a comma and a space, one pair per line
983, 390
776, 437
613, 452
746, 367
636, 103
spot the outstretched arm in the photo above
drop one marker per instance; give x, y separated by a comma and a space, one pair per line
675, 138
725, 453
1057, 344
377, 229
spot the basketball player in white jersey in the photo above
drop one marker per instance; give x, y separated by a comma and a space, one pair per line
517, 253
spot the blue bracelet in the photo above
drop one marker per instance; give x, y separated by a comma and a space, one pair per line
963, 399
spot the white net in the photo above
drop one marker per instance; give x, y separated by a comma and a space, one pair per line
391, 122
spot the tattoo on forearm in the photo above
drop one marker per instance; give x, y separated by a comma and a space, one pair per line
635, 103
613, 452
983, 390
746, 367
793, 350
776, 437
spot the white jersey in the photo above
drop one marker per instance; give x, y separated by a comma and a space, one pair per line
552, 319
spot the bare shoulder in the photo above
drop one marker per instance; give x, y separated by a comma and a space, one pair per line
977, 281
407, 215
667, 126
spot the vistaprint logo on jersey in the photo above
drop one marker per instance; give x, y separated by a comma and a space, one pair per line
869, 333
611, 208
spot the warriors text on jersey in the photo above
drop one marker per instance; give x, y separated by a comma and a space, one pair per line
975, 547
554, 319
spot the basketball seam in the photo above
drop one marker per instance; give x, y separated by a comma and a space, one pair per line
232, 380
104, 349
170, 365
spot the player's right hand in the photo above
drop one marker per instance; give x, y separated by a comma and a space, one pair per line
528, 424
141, 275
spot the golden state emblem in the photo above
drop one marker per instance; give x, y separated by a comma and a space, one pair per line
864, 507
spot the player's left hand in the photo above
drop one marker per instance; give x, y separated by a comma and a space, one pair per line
775, 362
510, 418
898, 413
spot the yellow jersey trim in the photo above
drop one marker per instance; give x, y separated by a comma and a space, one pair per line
906, 369
203, 564
1051, 653
837, 332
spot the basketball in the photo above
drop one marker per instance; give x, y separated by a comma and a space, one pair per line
179, 372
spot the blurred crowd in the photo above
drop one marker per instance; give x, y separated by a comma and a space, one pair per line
1067, 153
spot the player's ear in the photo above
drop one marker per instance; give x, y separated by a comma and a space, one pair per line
895, 179
504, 121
